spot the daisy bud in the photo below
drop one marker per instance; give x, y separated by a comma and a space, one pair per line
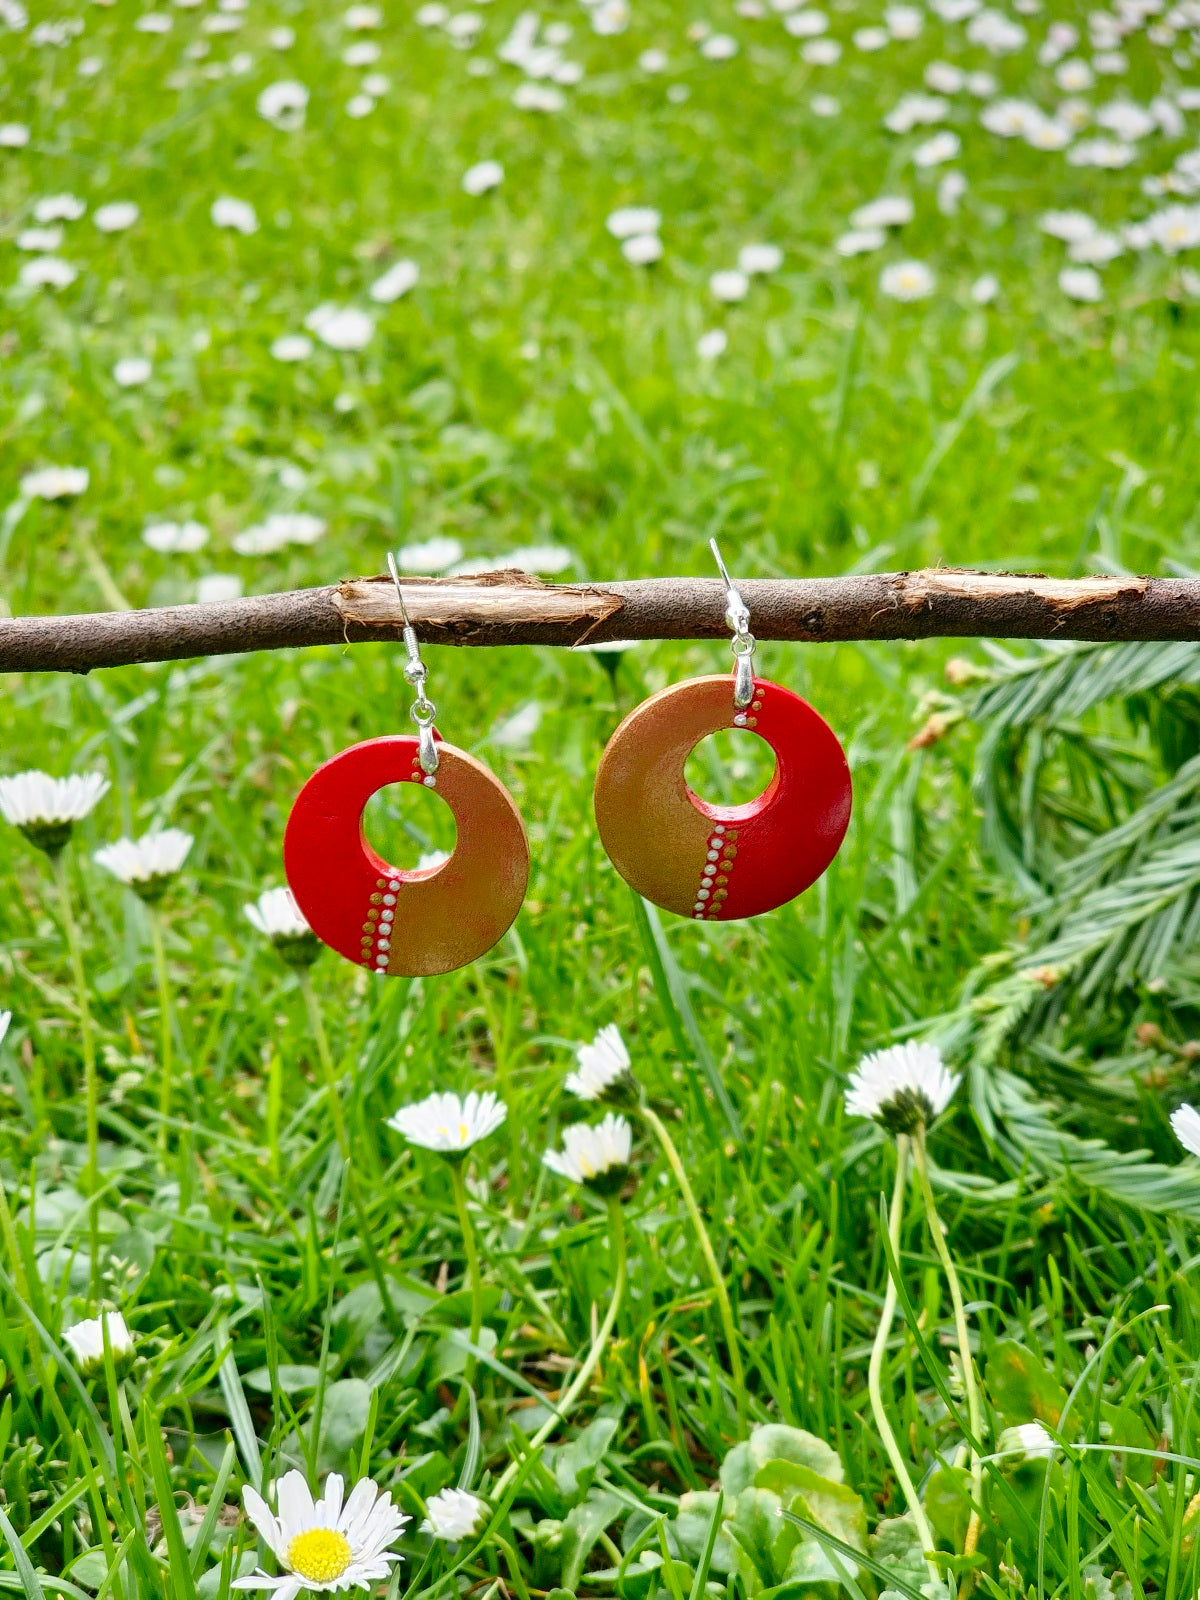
453, 1514
604, 1072
902, 1088
148, 864
46, 809
596, 1157
1031, 1439
86, 1343
278, 918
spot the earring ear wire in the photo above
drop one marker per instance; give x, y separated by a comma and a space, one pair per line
737, 618
416, 672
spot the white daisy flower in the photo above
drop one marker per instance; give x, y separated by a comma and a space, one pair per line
755, 259
55, 483
215, 588
730, 285
985, 289
629, 220
869, 39
860, 241
47, 272
284, 103
538, 97
597, 1157
806, 24
447, 1124
906, 280
364, 54
58, 208
901, 1087
1030, 1438
654, 61
719, 47
547, 559
116, 216
453, 1514
13, 135
603, 1070
341, 327
889, 211
712, 344
281, 38
821, 52
429, 555
944, 146
292, 347
1069, 226
226, 212
175, 538
1081, 283
278, 918
147, 864
360, 19
359, 106
5, 1022
277, 532
46, 809
904, 22
37, 240
399, 278
642, 249
131, 371
86, 1340
1186, 1123
484, 175
326, 1546
950, 191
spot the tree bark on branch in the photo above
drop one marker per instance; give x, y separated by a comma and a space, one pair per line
507, 608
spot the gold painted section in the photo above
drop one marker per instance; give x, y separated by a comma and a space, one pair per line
448, 916
648, 823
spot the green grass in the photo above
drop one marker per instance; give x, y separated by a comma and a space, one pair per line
535, 388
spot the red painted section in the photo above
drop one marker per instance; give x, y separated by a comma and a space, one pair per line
332, 870
790, 833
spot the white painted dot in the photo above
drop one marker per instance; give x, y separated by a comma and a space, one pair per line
431, 783
697, 916
389, 899
703, 894
740, 720
385, 944
381, 964
720, 828
708, 871
713, 854
395, 883
387, 916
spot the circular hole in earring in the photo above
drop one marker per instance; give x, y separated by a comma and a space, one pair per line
409, 825
730, 767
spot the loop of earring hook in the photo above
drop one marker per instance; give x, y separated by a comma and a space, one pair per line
737, 617
422, 711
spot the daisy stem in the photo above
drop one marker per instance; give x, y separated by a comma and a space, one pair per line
616, 1227
737, 1374
966, 1359
165, 1062
91, 1086
879, 1350
459, 1180
316, 1024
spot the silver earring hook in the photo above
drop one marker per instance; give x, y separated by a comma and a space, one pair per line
422, 711
737, 617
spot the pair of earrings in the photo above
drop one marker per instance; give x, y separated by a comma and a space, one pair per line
710, 863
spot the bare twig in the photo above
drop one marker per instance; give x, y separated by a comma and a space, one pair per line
506, 608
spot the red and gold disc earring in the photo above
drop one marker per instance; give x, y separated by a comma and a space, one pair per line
394, 921
720, 863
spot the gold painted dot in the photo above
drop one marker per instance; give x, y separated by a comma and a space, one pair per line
367, 928
376, 899
731, 833
752, 722
721, 878
381, 883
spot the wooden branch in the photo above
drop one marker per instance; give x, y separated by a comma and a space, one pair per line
506, 608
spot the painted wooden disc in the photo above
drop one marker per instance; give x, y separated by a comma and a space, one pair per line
388, 919
719, 863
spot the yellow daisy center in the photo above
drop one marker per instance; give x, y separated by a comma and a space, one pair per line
319, 1555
